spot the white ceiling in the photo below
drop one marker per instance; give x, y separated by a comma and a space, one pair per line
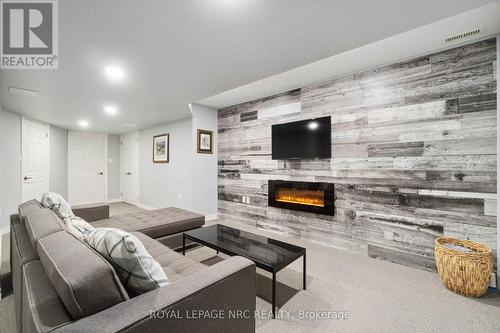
423, 40
178, 52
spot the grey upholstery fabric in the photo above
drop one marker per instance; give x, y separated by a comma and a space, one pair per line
154, 223
20, 241
26, 207
42, 309
41, 223
139, 272
92, 213
22, 252
174, 264
81, 281
228, 285
85, 282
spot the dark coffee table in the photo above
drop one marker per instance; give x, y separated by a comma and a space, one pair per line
268, 254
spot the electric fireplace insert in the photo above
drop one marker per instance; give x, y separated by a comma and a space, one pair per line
303, 196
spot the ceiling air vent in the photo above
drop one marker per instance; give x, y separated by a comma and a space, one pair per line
22, 91
462, 36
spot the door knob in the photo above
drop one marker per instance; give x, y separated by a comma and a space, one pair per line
26, 178
100, 173
129, 173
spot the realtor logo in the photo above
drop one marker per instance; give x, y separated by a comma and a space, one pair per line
29, 34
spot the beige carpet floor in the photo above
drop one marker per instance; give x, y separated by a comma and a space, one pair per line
380, 297
7, 315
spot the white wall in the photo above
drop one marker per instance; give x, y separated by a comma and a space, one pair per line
10, 141
167, 184
204, 165
4, 236
189, 180
113, 167
10, 146
58, 160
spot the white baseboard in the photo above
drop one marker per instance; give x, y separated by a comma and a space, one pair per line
146, 207
114, 200
211, 217
4, 230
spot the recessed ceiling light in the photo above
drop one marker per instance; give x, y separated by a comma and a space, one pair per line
110, 109
115, 73
83, 123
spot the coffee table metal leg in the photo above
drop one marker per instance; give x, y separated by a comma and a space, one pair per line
304, 273
274, 294
183, 245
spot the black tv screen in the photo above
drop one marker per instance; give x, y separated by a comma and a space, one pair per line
305, 139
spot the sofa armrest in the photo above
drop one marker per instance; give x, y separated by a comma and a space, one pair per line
94, 213
220, 298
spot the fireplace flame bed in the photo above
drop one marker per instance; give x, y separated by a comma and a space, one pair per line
301, 197
304, 196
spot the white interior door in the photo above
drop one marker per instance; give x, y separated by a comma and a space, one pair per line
35, 159
87, 168
130, 168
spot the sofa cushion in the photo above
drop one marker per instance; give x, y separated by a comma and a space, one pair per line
22, 252
21, 242
42, 309
175, 265
41, 223
85, 282
26, 207
137, 269
154, 223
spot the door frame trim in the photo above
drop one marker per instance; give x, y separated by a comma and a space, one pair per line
23, 120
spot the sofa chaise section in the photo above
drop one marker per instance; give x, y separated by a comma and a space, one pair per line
56, 285
165, 224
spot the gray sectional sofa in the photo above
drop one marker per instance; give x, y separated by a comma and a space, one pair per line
62, 285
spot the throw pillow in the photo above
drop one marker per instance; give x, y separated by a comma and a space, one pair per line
56, 203
135, 267
80, 225
75, 225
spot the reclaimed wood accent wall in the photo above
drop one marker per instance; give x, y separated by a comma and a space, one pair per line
414, 156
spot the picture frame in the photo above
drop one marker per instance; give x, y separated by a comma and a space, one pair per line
205, 142
161, 148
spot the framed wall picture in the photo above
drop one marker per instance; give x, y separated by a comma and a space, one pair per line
205, 141
161, 148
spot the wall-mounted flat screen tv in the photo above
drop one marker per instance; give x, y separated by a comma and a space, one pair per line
305, 139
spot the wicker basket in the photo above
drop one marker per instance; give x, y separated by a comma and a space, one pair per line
465, 273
